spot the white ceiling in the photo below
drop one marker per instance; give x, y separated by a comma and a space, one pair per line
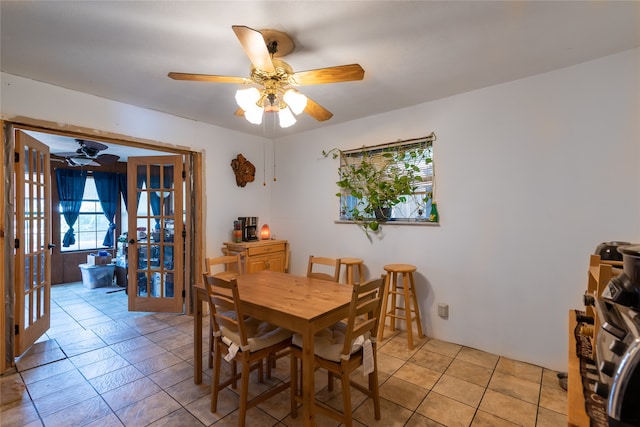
412, 51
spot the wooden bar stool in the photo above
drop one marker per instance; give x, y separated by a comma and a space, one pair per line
408, 292
350, 263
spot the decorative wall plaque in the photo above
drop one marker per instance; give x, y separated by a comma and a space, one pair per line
244, 170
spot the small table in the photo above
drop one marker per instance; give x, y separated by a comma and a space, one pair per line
297, 303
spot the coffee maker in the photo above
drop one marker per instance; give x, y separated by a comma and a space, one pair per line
249, 228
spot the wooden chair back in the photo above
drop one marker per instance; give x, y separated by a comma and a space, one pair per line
231, 266
330, 268
364, 312
224, 306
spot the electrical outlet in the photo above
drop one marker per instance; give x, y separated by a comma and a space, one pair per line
443, 310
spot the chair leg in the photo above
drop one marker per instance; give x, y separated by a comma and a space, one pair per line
261, 372
294, 385
375, 393
234, 373
215, 382
270, 363
346, 398
211, 340
244, 392
329, 381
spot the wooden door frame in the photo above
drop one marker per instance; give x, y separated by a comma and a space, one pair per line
195, 210
6, 280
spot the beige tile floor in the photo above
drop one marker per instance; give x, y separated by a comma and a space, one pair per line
99, 365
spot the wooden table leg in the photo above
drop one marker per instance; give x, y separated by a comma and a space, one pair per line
197, 339
308, 384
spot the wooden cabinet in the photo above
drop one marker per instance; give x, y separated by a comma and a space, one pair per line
261, 255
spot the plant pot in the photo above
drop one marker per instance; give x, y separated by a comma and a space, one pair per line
382, 214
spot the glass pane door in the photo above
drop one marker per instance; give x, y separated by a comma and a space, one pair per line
33, 234
156, 249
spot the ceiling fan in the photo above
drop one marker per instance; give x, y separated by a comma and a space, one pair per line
273, 81
89, 154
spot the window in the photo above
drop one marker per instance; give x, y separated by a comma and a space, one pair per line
400, 173
91, 226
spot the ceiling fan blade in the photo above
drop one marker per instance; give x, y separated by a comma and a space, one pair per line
317, 111
71, 161
255, 47
91, 145
207, 78
68, 154
107, 159
340, 73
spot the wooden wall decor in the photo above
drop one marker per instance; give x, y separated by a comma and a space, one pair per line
244, 170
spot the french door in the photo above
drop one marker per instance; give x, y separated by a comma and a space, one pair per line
32, 220
155, 206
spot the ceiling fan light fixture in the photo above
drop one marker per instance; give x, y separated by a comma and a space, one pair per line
247, 98
81, 161
286, 117
253, 114
295, 100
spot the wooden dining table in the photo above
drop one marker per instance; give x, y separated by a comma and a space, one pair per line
297, 303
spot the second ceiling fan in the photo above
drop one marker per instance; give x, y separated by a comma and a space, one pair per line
273, 81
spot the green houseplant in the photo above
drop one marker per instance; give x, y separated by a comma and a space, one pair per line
378, 180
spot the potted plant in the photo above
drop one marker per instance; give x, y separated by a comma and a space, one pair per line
373, 182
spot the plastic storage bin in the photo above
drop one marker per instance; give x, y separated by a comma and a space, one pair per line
97, 276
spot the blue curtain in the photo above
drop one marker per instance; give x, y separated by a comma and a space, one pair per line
108, 190
122, 180
70, 191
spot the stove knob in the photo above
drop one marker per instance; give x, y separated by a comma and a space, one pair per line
618, 347
608, 368
602, 390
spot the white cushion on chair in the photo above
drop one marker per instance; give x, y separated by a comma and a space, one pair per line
259, 334
329, 342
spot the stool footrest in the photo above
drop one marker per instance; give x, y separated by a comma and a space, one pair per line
390, 314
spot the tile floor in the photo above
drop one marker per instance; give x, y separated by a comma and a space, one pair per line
99, 365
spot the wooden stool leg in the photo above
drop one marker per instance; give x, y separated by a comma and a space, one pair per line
415, 306
350, 274
394, 301
383, 308
360, 273
407, 308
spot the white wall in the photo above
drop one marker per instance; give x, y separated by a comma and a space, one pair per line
224, 200
531, 176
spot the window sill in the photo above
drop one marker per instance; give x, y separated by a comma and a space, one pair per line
394, 222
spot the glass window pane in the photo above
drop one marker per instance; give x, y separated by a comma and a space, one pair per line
91, 226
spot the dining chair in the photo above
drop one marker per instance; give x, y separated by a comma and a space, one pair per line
324, 268
231, 264
247, 341
342, 348
226, 267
